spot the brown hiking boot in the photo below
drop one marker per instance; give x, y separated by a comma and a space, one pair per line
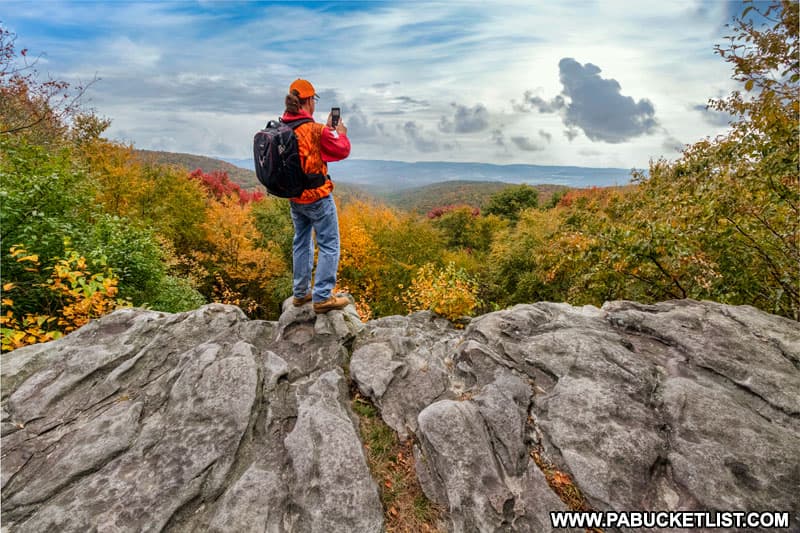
298, 302
334, 302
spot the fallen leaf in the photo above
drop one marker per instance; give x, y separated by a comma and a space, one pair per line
560, 478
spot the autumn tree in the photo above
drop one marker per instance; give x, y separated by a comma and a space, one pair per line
407, 244
448, 292
69, 195
728, 211
463, 227
381, 251
159, 197
75, 296
518, 267
37, 109
219, 185
238, 270
363, 264
763, 207
509, 202
721, 222
273, 220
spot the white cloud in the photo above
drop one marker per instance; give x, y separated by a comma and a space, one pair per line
126, 53
408, 75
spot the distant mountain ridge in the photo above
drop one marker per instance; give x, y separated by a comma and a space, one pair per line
417, 186
381, 177
458, 192
385, 177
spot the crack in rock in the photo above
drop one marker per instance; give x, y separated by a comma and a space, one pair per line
208, 421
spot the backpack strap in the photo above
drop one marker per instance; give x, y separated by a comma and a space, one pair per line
314, 180
295, 123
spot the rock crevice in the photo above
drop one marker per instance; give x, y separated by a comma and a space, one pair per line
208, 421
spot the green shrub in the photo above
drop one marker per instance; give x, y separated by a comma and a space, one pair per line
177, 295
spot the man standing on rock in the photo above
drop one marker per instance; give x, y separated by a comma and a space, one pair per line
315, 209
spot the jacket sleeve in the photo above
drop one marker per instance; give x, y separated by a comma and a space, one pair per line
333, 145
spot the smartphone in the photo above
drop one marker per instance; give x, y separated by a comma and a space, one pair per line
335, 114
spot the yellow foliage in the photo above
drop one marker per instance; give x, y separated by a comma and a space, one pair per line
358, 222
162, 197
448, 292
362, 263
81, 295
224, 294
118, 173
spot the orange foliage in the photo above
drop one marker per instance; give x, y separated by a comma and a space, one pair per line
562, 484
597, 196
241, 270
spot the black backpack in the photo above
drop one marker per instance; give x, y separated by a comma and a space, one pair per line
277, 160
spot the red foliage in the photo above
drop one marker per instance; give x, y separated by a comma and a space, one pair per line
219, 185
437, 212
590, 193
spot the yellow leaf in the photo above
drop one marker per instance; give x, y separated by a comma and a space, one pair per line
8, 286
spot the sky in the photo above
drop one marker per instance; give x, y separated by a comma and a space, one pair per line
595, 83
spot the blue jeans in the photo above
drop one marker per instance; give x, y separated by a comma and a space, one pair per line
322, 218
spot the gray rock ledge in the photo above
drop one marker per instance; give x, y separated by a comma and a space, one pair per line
208, 421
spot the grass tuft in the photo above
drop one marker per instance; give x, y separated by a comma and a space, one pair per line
391, 462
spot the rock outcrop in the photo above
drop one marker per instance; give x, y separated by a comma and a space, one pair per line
207, 421
201, 421
676, 406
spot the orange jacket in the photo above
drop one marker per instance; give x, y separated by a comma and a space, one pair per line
318, 145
